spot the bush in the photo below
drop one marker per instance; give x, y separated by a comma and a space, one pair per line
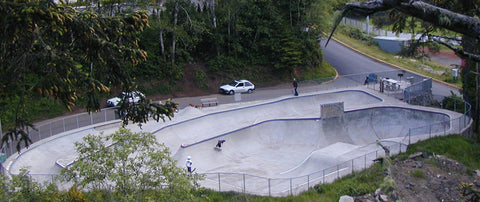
346, 187
222, 63
419, 174
454, 103
199, 78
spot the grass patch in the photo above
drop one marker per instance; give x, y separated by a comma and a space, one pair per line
324, 71
455, 147
419, 174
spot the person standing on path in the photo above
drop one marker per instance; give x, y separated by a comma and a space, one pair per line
189, 163
295, 86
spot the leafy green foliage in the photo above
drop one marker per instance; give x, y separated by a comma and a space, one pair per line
54, 52
454, 103
22, 188
360, 183
247, 35
133, 165
199, 78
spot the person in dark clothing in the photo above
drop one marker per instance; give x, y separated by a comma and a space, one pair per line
295, 86
219, 145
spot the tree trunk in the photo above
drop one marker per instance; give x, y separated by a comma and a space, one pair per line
229, 27
214, 21
162, 45
175, 19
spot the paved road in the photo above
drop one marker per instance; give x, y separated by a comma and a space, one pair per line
347, 61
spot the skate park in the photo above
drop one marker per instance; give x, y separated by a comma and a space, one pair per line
275, 147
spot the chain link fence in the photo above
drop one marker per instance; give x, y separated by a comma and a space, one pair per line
278, 187
60, 125
393, 83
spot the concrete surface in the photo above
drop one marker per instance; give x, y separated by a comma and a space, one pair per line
277, 138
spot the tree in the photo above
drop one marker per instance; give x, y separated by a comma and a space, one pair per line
132, 164
467, 25
54, 51
464, 24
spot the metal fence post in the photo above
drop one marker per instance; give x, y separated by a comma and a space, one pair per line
291, 190
444, 129
409, 134
338, 171
269, 188
308, 181
430, 131
244, 183
352, 166
365, 159
323, 178
219, 189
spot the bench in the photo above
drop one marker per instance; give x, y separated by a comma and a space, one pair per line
207, 102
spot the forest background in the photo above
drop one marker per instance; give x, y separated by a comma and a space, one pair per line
194, 46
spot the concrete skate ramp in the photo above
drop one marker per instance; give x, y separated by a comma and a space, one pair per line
195, 130
296, 147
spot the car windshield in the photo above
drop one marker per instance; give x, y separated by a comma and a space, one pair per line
234, 83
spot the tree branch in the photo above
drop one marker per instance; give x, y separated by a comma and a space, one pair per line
458, 51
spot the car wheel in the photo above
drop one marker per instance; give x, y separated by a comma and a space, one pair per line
231, 92
250, 91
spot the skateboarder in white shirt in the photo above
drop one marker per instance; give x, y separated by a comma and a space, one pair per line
189, 163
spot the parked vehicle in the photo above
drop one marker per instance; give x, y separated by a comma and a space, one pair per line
238, 86
133, 97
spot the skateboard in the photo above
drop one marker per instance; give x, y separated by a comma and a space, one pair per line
217, 148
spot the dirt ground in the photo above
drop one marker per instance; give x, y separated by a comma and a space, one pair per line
434, 178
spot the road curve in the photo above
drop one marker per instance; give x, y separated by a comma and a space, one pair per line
348, 61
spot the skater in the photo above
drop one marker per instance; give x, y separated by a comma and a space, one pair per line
295, 86
189, 163
366, 81
219, 144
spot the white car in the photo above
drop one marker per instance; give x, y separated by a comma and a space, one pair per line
133, 97
237, 86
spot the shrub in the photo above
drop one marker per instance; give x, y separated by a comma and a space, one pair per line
418, 174
199, 78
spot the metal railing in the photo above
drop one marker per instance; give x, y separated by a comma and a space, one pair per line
251, 184
245, 183
257, 185
60, 125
